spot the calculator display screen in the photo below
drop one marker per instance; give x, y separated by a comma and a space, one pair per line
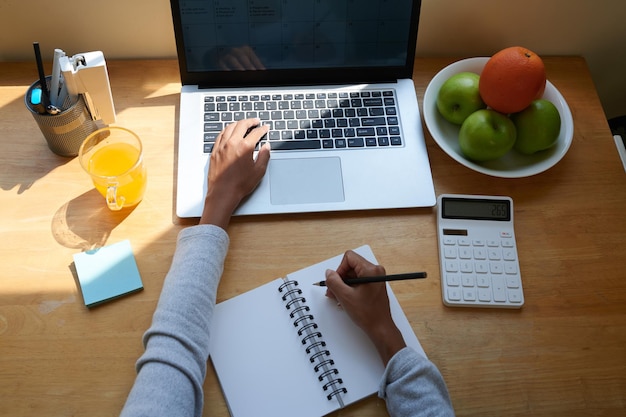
476, 209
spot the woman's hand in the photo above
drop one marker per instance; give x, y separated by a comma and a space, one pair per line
233, 171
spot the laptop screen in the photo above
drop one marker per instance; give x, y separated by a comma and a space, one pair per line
255, 42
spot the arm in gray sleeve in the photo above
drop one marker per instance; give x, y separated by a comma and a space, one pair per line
171, 372
412, 385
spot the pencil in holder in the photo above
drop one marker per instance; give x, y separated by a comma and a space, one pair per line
65, 131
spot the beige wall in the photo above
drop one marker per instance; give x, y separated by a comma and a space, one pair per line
142, 28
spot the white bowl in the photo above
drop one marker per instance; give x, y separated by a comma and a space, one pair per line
513, 164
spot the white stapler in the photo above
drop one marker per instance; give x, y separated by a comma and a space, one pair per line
86, 74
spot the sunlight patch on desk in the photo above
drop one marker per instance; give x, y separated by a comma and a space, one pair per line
48, 306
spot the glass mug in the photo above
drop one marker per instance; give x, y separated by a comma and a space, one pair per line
113, 157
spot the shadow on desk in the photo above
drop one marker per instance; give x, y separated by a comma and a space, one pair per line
32, 162
85, 222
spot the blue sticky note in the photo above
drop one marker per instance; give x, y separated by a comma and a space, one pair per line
107, 273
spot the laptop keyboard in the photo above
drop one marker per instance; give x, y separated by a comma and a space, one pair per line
311, 120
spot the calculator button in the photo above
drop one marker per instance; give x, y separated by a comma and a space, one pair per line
467, 266
483, 281
480, 253
493, 243
481, 267
478, 242
452, 266
512, 282
454, 294
506, 234
468, 280
496, 267
508, 255
464, 242
465, 253
495, 254
453, 280
507, 243
484, 294
449, 241
515, 296
469, 294
450, 252
510, 268
499, 290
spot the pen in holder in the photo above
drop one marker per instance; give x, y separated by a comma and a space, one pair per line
65, 131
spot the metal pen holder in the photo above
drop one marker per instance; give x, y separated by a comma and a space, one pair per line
64, 132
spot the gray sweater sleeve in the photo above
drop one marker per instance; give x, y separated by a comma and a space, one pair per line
171, 372
412, 385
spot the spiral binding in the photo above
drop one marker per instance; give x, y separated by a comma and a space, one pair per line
311, 338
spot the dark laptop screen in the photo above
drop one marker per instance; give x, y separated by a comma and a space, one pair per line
312, 37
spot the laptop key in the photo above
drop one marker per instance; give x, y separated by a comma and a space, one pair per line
210, 136
288, 145
274, 135
366, 131
372, 102
213, 127
373, 121
355, 143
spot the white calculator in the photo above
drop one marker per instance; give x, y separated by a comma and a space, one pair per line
478, 252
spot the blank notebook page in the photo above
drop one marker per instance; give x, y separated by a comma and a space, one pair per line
261, 362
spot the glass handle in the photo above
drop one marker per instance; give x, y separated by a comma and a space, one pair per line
113, 201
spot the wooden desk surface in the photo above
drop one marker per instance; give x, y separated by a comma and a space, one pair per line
564, 353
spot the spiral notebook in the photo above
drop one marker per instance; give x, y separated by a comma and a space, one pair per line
285, 349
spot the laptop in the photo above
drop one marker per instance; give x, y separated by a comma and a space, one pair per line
332, 78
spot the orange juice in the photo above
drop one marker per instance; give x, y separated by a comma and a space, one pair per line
119, 165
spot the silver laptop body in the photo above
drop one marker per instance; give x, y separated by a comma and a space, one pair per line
330, 77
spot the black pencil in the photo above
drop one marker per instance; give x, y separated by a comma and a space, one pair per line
384, 278
42, 77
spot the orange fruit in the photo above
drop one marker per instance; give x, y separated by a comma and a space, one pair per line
511, 79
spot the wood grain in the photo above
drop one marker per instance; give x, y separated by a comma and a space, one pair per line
563, 354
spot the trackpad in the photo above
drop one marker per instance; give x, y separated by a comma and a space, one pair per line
306, 180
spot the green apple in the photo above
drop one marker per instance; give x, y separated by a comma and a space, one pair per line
538, 127
459, 97
486, 135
